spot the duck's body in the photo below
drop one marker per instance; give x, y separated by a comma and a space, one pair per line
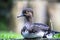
37, 30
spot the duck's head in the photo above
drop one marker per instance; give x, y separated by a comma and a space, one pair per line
27, 13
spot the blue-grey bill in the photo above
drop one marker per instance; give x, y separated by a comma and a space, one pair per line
20, 16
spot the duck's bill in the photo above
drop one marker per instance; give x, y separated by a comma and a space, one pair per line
20, 16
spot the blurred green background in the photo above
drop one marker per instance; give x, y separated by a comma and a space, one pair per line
5, 8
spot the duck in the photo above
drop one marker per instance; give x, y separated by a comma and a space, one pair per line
31, 29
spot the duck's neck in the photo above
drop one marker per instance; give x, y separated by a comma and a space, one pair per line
29, 19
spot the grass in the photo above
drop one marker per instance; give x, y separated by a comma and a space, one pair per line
57, 36
10, 35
